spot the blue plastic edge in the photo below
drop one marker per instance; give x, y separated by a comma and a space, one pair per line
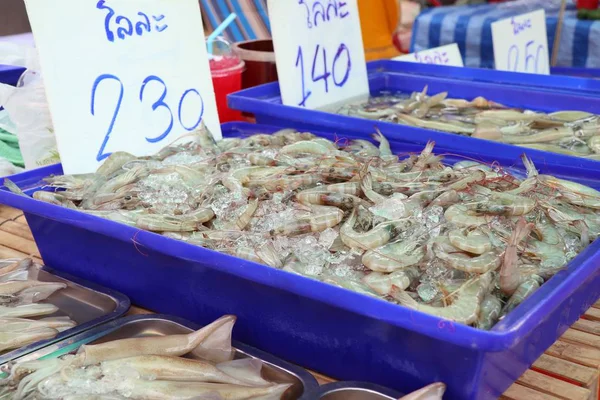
570, 80
122, 306
505, 335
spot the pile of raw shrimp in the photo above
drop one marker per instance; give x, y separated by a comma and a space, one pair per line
147, 368
467, 242
573, 133
22, 307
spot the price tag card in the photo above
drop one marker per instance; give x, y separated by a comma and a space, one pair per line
319, 51
521, 43
443, 55
122, 75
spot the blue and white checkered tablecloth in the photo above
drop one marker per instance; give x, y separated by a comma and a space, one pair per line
470, 28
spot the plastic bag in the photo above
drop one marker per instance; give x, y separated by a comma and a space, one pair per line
7, 168
27, 107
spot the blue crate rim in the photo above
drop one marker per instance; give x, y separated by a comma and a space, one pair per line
560, 80
122, 304
308, 380
505, 334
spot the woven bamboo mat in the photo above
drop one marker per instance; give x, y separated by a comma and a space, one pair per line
568, 370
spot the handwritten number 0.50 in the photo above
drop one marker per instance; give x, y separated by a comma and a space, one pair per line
160, 103
329, 71
532, 62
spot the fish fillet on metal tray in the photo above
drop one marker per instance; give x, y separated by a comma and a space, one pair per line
85, 303
274, 370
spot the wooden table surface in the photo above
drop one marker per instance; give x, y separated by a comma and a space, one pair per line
568, 370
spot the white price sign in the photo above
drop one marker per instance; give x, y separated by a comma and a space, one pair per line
443, 55
122, 75
521, 43
319, 51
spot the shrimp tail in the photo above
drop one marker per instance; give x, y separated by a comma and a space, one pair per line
509, 275
377, 136
529, 166
435, 391
403, 298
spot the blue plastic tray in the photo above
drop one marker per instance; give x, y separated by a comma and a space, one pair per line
328, 329
568, 80
265, 103
10, 74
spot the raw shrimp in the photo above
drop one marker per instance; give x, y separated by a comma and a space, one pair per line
491, 307
510, 278
464, 309
367, 188
175, 223
504, 204
524, 290
383, 283
573, 192
474, 265
376, 237
54, 198
246, 215
460, 215
323, 217
473, 241
343, 201
395, 256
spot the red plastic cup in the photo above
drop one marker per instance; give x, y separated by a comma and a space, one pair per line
587, 4
226, 70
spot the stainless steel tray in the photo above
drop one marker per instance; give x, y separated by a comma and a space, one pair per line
274, 369
84, 302
352, 391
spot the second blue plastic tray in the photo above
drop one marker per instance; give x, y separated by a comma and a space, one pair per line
265, 103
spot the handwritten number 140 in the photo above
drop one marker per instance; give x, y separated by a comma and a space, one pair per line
328, 71
158, 104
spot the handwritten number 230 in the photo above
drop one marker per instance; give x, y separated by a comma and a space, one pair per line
160, 103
